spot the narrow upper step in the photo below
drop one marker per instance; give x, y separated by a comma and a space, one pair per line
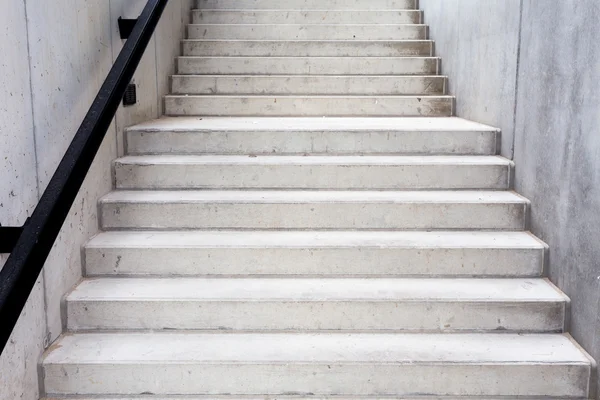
310, 253
287, 31
519, 305
307, 4
193, 135
241, 65
308, 48
206, 16
319, 364
313, 210
310, 106
313, 172
309, 84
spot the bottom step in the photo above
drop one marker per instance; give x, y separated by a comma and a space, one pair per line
320, 364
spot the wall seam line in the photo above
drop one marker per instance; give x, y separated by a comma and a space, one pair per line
46, 337
517, 71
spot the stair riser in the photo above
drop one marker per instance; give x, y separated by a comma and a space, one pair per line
308, 65
362, 379
314, 261
309, 106
308, 48
245, 176
308, 85
306, 17
307, 4
318, 215
307, 32
317, 142
317, 315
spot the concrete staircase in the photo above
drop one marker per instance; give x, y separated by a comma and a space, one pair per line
253, 249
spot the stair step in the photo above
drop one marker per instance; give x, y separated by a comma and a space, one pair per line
317, 364
307, 4
310, 106
308, 84
310, 254
308, 65
313, 210
308, 48
206, 16
519, 305
312, 172
190, 135
307, 31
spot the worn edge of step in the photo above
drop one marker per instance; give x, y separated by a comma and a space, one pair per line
333, 124
354, 289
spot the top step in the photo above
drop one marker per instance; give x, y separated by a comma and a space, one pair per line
309, 4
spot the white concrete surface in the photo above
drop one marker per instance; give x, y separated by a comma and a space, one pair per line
312, 172
308, 84
517, 305
313, 210
208, 16
313, 48
307, 4
308, 31
322, 65
321, 364
260, 303
333, 254
256, 135
310, 106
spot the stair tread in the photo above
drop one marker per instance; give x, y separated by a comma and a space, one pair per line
186, 124
327, 96
353, 41
316, 289
312, 76
303, 24
167, 159
314, 348
308, 196
316, 239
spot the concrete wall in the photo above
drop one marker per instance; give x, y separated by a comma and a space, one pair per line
555, 111
478, 43
54, 60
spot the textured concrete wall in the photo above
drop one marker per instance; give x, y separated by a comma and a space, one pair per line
478, 43
556, 114
557, 148
54, 60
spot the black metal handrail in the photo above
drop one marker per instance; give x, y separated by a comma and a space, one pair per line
37, 236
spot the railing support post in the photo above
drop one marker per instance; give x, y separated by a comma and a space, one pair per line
9, 235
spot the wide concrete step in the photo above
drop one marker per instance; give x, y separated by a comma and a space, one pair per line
315, 254
449, 305
307, 4
319, 364
313, 172
274, 31
206, 16
308, 48
287, 397
310, 106
351, 136
308, 65
313, 210
308, 85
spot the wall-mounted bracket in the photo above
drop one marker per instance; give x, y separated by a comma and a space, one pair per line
126, 27
9, 235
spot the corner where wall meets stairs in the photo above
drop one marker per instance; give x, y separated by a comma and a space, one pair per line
311, 220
